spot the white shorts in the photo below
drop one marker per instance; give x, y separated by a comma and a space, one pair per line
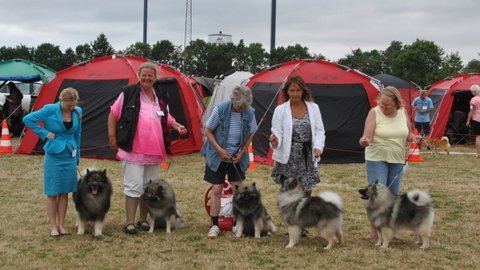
136, 177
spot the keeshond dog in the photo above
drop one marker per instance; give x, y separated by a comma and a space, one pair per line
162, 208
250, 213
301, 211
92, 199
390, 213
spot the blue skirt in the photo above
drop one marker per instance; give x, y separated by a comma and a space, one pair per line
60, 173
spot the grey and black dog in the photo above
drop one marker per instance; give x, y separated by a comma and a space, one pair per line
162, 206
390, 213
301, 211
92, 199
250, 214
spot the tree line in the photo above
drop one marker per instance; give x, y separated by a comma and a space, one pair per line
422, 62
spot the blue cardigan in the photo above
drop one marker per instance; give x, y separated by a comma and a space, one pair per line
51, 117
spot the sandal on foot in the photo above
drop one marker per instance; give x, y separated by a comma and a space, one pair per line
129, 228
143, 225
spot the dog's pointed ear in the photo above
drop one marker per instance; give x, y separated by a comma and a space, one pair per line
104, 171
253, 184
88, 171
376, 182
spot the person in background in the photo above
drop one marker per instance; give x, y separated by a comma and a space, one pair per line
386, 133
423, 105
62, 128
473, 119
15, 111
229, 131
298, 136
139, 126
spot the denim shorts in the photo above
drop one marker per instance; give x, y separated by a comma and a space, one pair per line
388, 174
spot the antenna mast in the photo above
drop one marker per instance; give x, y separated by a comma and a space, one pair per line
188, 24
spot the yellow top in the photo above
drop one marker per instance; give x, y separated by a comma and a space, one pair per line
389, 138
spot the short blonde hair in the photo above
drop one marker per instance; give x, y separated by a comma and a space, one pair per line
392, 92
68, 94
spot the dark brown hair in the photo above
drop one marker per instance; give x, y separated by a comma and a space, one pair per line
307, 93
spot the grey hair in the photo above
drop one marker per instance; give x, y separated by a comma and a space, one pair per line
242, 95
475, 88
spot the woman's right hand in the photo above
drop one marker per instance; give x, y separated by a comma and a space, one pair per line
364, 141
273, 140
50, 136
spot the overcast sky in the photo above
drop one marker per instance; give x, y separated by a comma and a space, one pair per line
328, 27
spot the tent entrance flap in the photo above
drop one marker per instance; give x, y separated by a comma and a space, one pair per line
95, 98
344, 108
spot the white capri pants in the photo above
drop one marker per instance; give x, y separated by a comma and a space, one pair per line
137, 176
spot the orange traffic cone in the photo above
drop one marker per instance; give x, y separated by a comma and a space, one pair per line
165, 165
414, 152
5, 144
252, 159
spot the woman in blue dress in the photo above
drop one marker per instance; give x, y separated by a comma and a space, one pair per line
62, 126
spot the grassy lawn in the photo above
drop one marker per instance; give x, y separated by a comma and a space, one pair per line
452, 181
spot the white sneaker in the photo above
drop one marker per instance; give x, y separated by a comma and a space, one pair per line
213, 232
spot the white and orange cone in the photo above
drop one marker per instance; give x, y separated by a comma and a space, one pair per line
5, 143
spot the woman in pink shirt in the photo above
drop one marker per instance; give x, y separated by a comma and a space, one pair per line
473, 119
138, 126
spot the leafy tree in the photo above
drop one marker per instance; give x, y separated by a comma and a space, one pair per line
472, 67
419, 62
281, 54
219, 59
69, 58
252, 58
101, 46
194, 58
139, 49
390, 55
367, 62
83, 53
49, 55
451, 64
20, 51
165, 52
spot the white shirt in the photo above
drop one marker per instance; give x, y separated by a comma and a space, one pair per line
282, 125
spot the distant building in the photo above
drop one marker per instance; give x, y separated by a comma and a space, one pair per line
220, 38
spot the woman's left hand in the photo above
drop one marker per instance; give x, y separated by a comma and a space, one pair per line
317, 152
180, 129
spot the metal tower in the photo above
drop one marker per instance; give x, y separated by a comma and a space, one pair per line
188, 24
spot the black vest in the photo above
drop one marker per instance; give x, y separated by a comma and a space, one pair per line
127, 124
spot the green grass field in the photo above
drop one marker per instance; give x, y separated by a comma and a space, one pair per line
452, 181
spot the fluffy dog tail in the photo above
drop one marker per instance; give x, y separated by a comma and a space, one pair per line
331, 197
419, 197
445, 138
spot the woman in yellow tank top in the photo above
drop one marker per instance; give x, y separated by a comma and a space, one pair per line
385, 137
